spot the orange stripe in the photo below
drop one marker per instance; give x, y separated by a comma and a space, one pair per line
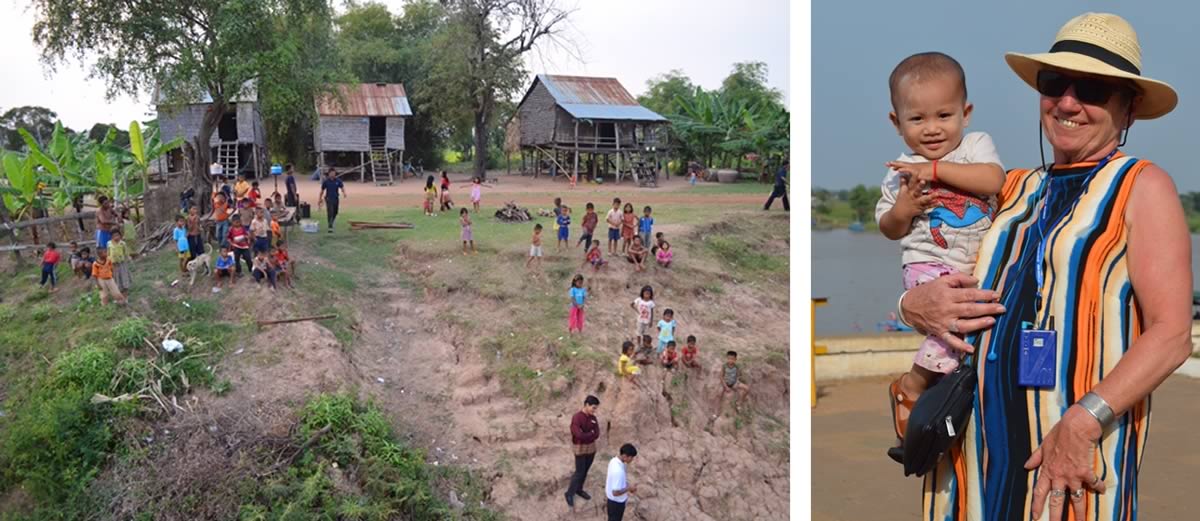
960, 478
1011, 183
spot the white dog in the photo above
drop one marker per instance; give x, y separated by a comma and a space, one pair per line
202, 262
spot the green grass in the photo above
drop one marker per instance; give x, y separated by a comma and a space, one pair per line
743, 258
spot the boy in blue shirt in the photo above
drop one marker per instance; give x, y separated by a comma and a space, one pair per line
645, 226
181, 243
564, 228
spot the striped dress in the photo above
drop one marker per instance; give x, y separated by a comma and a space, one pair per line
1088, 293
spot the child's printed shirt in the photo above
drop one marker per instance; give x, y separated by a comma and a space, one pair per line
645, 309
666, 330
951, 231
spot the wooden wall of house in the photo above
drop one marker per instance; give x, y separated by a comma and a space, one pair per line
537, 115
588, 129
395, 133
343, 134
185, 121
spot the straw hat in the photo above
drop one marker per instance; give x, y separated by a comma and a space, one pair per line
1101, 44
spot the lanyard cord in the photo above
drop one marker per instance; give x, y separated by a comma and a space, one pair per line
1044, 195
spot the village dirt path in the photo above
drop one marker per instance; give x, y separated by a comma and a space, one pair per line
852, 478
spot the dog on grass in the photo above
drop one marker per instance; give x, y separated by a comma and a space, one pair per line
201, 262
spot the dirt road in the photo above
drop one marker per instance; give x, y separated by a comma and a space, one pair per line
852, 478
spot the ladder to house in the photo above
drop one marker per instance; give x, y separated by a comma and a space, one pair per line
381, 162
227, 156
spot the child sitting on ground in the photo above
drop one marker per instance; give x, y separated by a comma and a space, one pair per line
645, 354
919, 195
49, 264
625, 365
280, 268
595, 257
670, 357
664, 255
535, 249
637, 255
263, 270
224, 267
666, 330
86, 260
731, 382
285, 261
658, 242
690, 351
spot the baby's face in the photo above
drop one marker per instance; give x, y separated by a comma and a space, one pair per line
931, 115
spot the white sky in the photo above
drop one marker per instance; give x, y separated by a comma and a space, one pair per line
631, 40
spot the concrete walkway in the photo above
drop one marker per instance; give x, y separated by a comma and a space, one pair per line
853, 479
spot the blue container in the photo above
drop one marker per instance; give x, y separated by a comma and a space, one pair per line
276, 170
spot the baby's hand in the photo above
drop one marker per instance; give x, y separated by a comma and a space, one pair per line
913, 199
920, 171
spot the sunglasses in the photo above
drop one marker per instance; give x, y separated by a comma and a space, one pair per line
1092, 91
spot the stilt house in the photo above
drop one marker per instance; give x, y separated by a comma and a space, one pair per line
362, 127
239, 143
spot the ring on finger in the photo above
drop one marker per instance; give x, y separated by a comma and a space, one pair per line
1095, 481
954, 326
1077, 494
1058, 492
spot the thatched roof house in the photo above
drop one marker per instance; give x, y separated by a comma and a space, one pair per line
366, 118
561, 117
240, 140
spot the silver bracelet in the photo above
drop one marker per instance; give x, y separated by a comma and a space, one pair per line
1098, 408
900, 310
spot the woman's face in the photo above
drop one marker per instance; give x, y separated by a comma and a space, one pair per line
1080, 131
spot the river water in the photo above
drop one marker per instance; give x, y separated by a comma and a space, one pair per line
860, 274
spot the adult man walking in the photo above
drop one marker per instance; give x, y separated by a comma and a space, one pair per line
584, 431
780, 189
329, 195
617, 487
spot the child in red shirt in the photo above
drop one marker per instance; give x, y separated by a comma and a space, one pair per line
690, 351
49, 264
670, 357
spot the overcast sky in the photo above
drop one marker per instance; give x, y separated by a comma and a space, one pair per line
855, 49
631, 40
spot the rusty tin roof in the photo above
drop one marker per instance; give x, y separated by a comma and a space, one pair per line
595, 98
366, 99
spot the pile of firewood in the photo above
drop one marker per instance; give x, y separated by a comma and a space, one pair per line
157, 239
511, 213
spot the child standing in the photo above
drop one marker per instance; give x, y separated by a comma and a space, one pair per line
628, 227
224, 267
613, 218
446, 203
182, 246
578, 296
594, 257
666, 330
221, 213
195, 244
430, 196
646, 226
644, 306
535, 250
670, 357
690, 351
118, 253
564, 228
239, 239
476, 193
731, 382
86, 260
49, 264
664, 255
102, 271
76, 258
260, 231
926, 191
464, 219
590, 220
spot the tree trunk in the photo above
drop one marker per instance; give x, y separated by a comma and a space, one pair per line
201, 180
481, 143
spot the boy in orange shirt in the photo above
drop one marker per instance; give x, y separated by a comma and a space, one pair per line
102, 271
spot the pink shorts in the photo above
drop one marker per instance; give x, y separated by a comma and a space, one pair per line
933, 354
575, 320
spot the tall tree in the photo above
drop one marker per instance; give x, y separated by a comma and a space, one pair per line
39, 121
184, 48
480, 58
748, 82
663, 92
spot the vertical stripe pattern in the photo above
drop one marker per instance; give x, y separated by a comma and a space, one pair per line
1087, 293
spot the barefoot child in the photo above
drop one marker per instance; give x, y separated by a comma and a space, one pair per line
263, 270
946, 175
664, 255
628, 227
578, 296
590, 220
731, 382
613, 218
476, 193
535, 249
690, 351
644, 306
182, 246
637, 255
625, 365
284, 264
49, 264
224, 267
430, 196
564, 228
118, 253
76, 258
666, 330
467, 237
645, 353
594, 257
670, 357
102, 271
645, 226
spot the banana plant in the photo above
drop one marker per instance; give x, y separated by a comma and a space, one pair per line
23, 194
148, 150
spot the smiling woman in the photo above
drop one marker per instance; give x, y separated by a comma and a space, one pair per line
1089, 260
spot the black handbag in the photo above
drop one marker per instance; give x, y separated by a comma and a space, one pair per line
939, 418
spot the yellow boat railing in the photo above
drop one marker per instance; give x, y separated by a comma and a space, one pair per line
816, 349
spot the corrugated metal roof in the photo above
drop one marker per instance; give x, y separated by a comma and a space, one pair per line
596, 98
366, 99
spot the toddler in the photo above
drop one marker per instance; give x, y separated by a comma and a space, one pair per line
594, 257
430, 196
578, 296
937, 200
690, 351
224, 267
666, 330
467, 237
664, 255
670, 357
535, 249
625, 365
49, 264
564, 228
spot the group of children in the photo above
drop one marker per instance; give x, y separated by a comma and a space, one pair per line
108, 268
632, 232
446, 203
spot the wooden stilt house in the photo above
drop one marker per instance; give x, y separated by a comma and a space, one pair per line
362, 127
239, 143
569, 122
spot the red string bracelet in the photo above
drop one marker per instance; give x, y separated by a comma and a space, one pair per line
934, 171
